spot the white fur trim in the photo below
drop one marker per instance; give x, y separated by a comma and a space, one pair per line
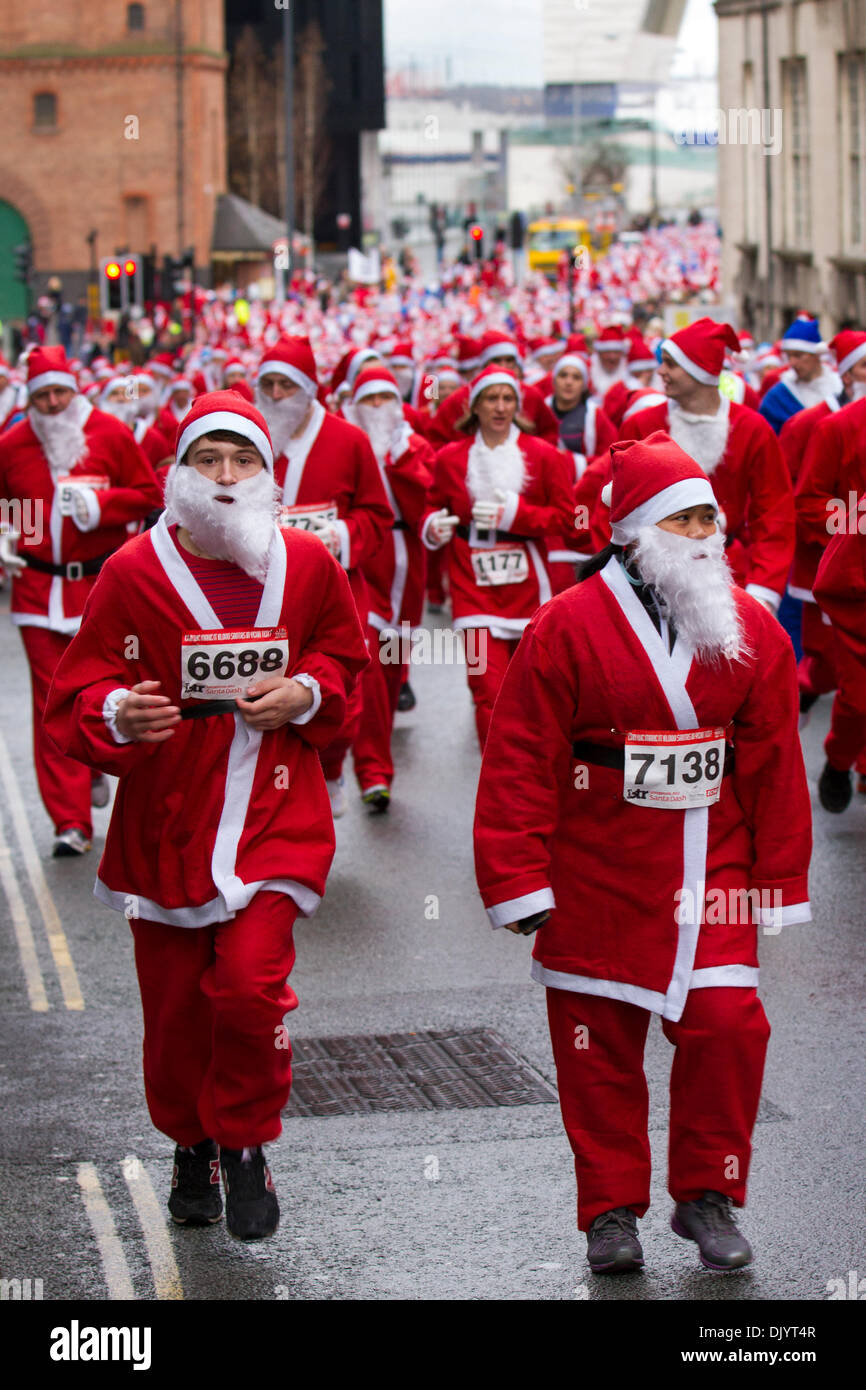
293, 373
52, 379
760, 591
517, 908
498, 350
802, 345
570, 359
312, 684
675, 351
372, 388
227, 420
110, 706
852, 359
502, 378
512, 502
345, 544
688, 492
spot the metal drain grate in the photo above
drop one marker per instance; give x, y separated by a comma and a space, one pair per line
411, 1071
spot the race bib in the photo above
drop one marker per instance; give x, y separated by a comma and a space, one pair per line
501, 564
674, 771
309, 517
221, 665
67, 485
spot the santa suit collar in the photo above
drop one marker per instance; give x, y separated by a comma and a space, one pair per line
181, 578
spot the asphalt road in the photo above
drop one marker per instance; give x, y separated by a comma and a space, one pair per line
474, 1204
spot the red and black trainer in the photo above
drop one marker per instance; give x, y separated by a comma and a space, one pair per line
195, 1198
252, 1209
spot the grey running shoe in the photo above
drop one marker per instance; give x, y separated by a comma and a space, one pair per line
612, 1246
709, 1222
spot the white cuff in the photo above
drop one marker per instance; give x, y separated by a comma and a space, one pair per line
580, 462
788, 916
312, 684
512, 502
345, 543
517, 908
426, 539
759, 591
109, 713
94, 513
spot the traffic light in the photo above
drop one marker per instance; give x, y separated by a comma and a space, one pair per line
133, 281
476, 232
111, 287
23, 262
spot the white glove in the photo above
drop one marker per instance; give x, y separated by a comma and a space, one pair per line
328, 535
11, 561
441, 526
488, 515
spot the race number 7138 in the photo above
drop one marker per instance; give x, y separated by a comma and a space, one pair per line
674, 770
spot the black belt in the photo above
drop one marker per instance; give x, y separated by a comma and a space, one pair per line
605, 755
76, 569
400, 526
209, 707
463, 533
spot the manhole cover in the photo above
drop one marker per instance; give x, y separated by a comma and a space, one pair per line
410, 1071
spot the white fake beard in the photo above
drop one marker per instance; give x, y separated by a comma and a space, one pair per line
405, 377
692, 579
500, 469
62, 436
241, 532
812, 392
179, 411
703, 437
8, 397
380, 423
124, 411
857, 390
282, 417
602, 380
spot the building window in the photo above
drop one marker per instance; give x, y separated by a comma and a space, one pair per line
797, 110
45, 110
134, 17
852, 91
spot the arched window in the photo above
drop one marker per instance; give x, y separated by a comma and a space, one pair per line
134, 17
45, 110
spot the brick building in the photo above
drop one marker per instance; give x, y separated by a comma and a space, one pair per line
114, 123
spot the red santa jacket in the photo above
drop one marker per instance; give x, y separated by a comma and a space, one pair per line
479, 598
754, 491
205, 819
833, 468
443, 429
627, 883
396, 572
333, 470
126, 490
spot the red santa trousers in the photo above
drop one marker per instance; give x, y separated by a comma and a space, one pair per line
64, 784
819, 671
816, 671
844, 744
380, 682
598, 1044
486, 664
333, 757
217, 1061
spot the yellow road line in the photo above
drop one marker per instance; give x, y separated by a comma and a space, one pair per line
114, 1264
23, 932
166, 1276
53, 928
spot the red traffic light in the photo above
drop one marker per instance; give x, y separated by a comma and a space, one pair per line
112, 270
130, 267
476, 232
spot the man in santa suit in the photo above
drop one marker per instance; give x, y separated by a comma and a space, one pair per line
584, 432
735, 447
130, 399
496, 495
807, 379
840, 590
395, 574
8, 393
178, 398
495, 349
609, 358
247, 645
401, 362
661, 814
79, 475
849, 352
330, 484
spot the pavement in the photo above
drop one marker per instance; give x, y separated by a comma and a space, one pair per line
473, 1204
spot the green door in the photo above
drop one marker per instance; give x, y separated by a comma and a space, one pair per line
13, 295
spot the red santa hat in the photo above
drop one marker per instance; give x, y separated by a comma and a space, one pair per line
349, 366
496, 344
611, 339
849, 347
47, 366
292, 358
700, 349
224, 410
640, 357
576, 343
234, 364
652, 479
467, 352
180, 383
493, 376
572, 359
371, 380
162, 364
400, 354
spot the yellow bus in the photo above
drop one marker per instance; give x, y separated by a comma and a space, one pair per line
550, 236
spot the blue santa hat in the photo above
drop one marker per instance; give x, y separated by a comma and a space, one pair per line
803, 335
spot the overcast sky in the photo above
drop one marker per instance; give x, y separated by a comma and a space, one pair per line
501, 40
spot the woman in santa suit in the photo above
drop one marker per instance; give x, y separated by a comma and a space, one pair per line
643, 800
497, 493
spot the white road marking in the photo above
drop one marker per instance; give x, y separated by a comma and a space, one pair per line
23, 931
166, 1276
114, 1264
53, 929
